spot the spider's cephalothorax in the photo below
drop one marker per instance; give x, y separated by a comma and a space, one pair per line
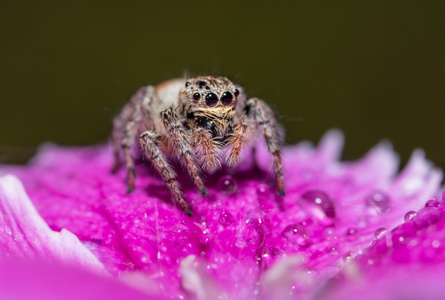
194, 119
209, 103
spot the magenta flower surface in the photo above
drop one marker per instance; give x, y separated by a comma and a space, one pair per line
343, 229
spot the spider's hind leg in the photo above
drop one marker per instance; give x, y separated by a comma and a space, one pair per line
119, 130
125, 129
264, 118
124, 144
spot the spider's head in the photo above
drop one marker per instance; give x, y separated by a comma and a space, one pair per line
211, 102
210, 92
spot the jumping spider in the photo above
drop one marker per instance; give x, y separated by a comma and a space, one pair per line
194, 119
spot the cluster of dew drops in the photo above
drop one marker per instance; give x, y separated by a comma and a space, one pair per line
401, 242
419, 239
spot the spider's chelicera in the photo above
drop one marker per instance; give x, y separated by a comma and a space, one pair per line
194, 119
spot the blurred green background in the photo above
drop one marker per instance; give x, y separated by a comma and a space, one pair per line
373, 69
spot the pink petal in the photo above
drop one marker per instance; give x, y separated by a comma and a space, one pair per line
24, 234
407, 262
23, 280
242, 230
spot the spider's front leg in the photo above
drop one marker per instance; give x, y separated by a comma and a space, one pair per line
181, 141
263, 116
149, 142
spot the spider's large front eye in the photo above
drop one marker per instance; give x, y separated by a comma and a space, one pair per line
187, 84
226, 98
211, 99
196, 96
236, 93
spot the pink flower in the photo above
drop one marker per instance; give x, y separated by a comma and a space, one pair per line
339, 231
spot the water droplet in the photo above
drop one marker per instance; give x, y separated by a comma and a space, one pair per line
307, 222
296, 234
432, 203
226, 219
329, 234
334, 250
312, 271
227, 185
348, 256
252, 236
319, 206
402, 233
260, 221
268, 255
380, 232
351, 234
409, 215
379, 202
263, 192
427, 216
435, 244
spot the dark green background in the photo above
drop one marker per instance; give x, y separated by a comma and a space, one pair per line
373, 69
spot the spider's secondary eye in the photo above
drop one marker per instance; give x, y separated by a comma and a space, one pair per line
226, 98
187, 84
211, 99
202, 121
236, 93
196, 96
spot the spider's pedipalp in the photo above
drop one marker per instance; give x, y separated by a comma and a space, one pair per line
237, 141
206, 150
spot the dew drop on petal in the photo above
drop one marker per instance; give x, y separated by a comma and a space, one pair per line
427, 216
312, 271
319, 206
380, 232
329, 234
263, 192
226, 219
251, 237
379, 202
409, 215
432, 203
297, 234
334, 250
268, 255
260, 221
402, 233
348, 256
307, 222
351, 234
227, 185
435, 244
